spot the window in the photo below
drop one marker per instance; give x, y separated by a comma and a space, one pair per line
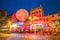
52, 16
36, 12
31, 13
39, 15
58, 14
46, 19
39, 11
59, 21
38, 7
40, 19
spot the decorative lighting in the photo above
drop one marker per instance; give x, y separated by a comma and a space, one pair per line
22, 14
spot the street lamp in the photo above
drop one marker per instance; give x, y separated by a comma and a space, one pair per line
9, 23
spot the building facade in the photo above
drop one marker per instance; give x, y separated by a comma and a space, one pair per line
50, 21
3, 16
55, 19
37, 17
36, 14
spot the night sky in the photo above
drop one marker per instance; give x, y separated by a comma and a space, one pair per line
11, 6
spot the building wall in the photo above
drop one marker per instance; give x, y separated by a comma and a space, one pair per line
55, 19
37, 16
55, 16
46, 19
3, 16
36, 13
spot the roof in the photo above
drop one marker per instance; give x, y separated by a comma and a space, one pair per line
55, 13
36, 8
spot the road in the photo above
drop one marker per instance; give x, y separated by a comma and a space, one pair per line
27, 36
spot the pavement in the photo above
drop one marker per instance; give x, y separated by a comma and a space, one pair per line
27, 36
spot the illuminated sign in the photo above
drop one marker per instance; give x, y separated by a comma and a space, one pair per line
37, 26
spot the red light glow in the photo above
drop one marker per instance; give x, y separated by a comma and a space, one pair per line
22, 14
13, 17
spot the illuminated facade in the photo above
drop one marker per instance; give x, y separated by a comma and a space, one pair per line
36, 14
47, 22
37, 17
55, 19
36, 20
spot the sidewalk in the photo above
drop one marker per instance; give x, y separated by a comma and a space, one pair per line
5, 35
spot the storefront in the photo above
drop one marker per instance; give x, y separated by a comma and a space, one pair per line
36, 27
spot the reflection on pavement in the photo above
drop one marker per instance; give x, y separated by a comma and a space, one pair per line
28, 37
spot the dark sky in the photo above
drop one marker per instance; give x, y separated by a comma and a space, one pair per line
11, 6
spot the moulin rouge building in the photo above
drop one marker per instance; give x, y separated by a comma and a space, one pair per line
37, 17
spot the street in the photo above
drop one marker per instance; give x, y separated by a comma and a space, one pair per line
27, 36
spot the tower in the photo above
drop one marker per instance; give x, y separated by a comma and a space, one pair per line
37, 13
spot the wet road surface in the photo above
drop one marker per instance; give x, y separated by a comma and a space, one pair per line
27, 36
